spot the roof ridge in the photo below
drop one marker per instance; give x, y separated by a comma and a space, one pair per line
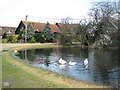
32, 22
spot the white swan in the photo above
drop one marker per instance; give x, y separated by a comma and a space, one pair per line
62, 61
72, 63
85, 61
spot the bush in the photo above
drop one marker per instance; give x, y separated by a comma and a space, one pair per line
39, 37
33, 40
63, 39
10, 38
4, 40
15, 38
21, 34
4, 36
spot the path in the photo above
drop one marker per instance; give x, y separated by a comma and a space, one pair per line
9, 45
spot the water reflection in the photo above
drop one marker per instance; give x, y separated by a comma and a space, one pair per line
101, 69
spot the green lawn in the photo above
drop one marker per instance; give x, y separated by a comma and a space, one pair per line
21, 75
0, 72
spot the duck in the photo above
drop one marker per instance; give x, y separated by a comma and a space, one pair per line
85, 61
72, 63
62, 61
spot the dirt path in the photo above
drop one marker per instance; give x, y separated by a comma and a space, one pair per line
7, 46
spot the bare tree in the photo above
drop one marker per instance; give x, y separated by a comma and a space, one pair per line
66, 20
117, 6
101, 13
67, 33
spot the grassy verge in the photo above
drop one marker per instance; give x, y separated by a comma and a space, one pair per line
21, 75
0, 71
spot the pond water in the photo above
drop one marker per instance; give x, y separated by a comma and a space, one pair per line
102, 68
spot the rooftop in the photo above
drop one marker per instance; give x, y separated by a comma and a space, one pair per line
39, 26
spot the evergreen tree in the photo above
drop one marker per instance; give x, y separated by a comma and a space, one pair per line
48, 32
30, 31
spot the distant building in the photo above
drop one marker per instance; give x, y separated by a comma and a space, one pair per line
8, 30
38, 27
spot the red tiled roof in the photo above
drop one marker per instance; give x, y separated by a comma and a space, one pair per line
55, 28
39, 26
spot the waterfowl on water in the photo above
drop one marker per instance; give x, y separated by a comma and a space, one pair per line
61, 61
85, 61
72, 63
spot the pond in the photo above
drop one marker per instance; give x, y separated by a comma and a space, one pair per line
102, 67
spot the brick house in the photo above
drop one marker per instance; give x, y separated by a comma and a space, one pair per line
38, 27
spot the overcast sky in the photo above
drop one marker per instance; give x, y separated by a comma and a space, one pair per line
13, 11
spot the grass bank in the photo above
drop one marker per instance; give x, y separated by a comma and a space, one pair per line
20, 75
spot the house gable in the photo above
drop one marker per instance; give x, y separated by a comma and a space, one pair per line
20, 26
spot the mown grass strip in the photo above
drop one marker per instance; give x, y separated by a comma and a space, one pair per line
0, 71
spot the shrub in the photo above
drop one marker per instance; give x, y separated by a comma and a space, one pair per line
15, 38
21, 34
9, 38
4, 40
39, 37
33, 40
63, 39
4, 36
55, 40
